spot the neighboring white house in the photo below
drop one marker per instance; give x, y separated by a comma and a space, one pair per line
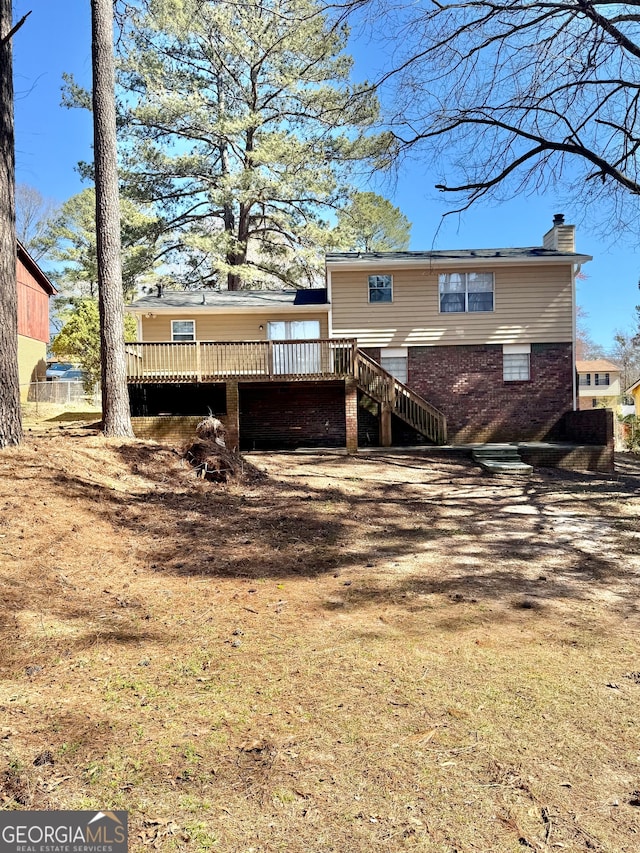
598, 384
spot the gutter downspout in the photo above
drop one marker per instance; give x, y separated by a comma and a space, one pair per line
574, 273
329, 299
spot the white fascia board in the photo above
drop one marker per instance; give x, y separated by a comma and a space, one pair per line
211, 309
474, 263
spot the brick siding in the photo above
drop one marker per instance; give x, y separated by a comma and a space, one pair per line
286, 416
465, 382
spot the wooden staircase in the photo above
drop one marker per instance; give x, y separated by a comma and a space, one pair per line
395, 398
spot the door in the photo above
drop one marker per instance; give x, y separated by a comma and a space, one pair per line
291, 357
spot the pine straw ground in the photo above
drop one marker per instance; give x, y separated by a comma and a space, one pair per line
371, 654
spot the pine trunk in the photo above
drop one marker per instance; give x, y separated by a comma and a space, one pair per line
115, 398
10, 415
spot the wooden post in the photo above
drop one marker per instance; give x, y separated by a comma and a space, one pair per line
385, 424
270, 358
198, 362
232, 420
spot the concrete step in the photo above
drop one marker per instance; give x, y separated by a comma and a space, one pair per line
500, 459
497, 467
495, 450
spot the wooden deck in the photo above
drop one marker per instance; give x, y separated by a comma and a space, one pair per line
249, 361
285, 361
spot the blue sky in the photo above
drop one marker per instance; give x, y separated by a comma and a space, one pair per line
50, 140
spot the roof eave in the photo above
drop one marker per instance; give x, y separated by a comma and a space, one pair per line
41, 277
426, 263
225, 309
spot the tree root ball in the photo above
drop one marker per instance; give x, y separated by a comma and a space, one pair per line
214, 462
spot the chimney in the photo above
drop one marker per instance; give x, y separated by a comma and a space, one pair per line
561, 237
159, 289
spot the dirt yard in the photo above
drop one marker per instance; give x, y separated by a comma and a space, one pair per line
372, 654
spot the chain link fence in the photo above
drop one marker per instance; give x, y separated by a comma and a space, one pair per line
63, 392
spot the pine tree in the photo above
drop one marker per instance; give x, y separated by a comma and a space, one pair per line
115, 398
243, 129
10, 414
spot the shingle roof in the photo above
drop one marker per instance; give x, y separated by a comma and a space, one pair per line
528, 252
201, 300
595, 365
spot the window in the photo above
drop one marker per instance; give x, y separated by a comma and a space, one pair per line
394, 361
466, 292
516, 362
183, 330
602, 379
584, 379
380, 288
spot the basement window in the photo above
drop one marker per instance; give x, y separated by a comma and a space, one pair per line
516, 362
183, 330
395, 361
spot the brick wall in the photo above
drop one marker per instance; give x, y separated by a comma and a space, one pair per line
351, 415
591, 457
285, 416
166, 427
465, 382
589, 426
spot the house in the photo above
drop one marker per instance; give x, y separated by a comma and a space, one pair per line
634, 391
598, 384
460, 346
34, 292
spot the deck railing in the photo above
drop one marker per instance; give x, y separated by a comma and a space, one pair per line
211, 361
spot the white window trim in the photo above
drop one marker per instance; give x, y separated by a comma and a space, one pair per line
193, 323
378, 275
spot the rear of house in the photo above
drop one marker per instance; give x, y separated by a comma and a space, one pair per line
464, 346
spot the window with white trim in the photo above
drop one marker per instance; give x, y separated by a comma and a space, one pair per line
602, 379
380, 288
183, 330
584, 379
516, 362
466, 292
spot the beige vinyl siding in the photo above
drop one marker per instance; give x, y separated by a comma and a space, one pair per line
531, 303
225, 327
32, 362
593, 390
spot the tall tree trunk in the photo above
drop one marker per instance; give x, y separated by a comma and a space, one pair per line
10, 415
115, 398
